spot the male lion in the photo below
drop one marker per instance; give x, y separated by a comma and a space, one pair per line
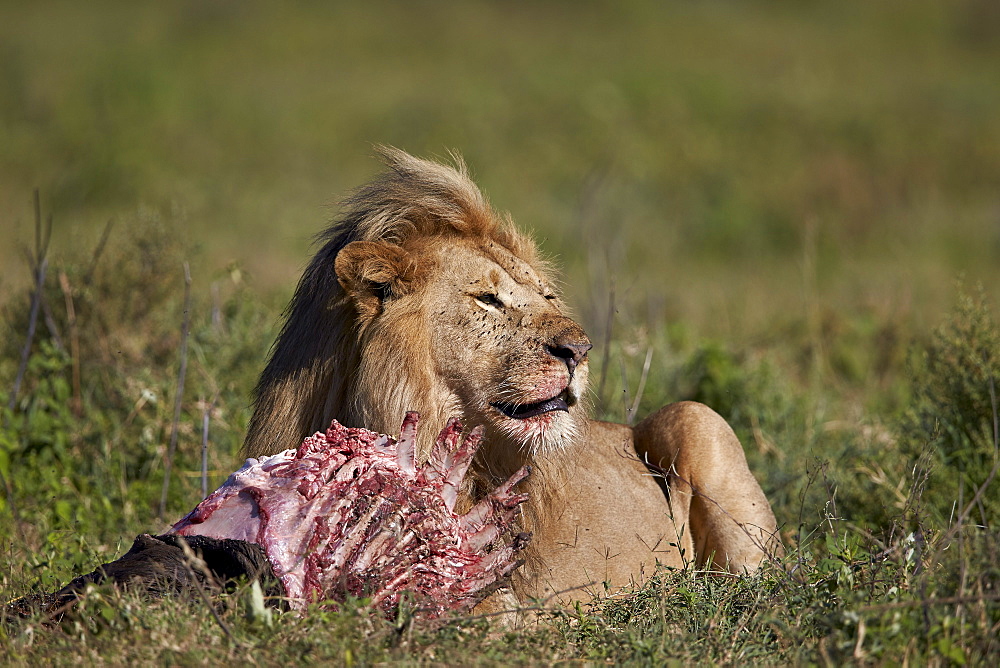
423, 298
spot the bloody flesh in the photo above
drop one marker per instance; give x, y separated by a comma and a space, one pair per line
351, 513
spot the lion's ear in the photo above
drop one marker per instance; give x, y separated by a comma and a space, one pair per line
374, 270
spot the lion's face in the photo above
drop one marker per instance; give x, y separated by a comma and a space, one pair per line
424, 298
502, 346
485, 330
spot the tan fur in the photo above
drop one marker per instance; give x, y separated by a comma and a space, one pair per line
423, 298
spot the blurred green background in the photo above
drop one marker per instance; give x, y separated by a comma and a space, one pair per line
740, 167
769, 207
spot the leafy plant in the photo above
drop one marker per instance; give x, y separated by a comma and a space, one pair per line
955, 413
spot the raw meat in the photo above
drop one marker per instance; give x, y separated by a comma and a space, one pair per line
350, 512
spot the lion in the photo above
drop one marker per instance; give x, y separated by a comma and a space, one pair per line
424, 298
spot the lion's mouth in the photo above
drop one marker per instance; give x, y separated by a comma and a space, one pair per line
560, 402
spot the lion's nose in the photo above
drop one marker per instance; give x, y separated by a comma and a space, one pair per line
571, 350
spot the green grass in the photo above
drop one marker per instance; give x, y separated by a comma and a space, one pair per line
771, 202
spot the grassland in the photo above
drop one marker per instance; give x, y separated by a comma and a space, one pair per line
786, 208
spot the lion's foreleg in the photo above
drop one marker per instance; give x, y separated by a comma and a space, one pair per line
729, 518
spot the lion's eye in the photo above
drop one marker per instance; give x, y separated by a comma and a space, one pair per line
489, 299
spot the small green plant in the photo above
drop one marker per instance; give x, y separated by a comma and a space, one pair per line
954, 417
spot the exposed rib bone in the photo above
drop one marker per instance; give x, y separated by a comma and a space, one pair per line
350, 513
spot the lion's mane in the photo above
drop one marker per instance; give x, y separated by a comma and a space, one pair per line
334, 357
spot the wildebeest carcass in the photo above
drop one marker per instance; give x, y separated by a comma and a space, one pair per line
348, 513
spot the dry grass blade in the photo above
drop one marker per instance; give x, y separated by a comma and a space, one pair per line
642, 383
36, 301
98, 251
193, 563
179, 398
967, 509
39, 268
206, 418
626, 399
74, 342
608, 327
